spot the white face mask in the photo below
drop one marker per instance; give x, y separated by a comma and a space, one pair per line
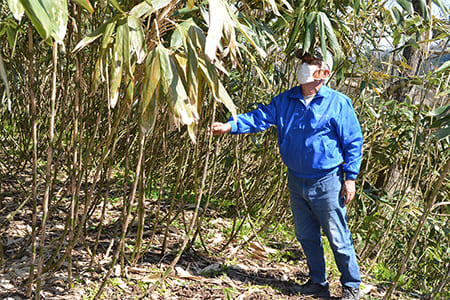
305, 73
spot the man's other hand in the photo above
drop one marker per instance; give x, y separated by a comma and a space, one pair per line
348, 191
219, 128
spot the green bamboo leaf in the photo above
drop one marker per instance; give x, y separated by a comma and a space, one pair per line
49, 17
445, 67
330, 35
396, 16
407, 5
98, 68
117, 66
273, 4
110, 26
125, 34
85, 4
246, 31
129, 81
166, 69
192, 68
439, 111
59, 15
146, 8
177, 97
442, 133
142, 10
17, 9
12, 32
137, 39
150, 93
191, 4
158, 4
116, 5
356, 6
423, 8
308, 41
209, 73
5, 81
321, 30
90, 37
443, 6
296, 28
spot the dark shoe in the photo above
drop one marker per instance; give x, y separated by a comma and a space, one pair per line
349, 293
314, 289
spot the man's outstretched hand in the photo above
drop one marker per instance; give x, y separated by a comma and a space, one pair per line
219, 128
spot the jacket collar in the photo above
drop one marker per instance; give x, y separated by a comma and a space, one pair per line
296, 92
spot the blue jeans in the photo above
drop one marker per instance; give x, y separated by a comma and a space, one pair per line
316, 204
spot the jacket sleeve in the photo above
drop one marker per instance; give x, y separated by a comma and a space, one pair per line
351, 140
254, 121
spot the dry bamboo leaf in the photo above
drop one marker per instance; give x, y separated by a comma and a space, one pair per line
150, 278
367, 288
217, 14
217, 239
17, 9
183, 274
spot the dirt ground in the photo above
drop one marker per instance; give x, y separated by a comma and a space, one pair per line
246, 269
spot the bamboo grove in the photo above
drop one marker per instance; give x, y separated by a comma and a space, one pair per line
95, 154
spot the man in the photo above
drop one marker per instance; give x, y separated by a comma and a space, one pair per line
320, 141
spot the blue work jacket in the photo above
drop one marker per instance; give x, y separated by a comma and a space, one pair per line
314, 140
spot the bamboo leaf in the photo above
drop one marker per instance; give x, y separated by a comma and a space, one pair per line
407, 5
17, 9
330, 34
117, 66
321, 31
166, 69
177, 96
442, 133
192, 69
443, 6
439, 111
445, 67
5, 81
110, 26
208, 71
288, 5
296, 29
49, 17
423, 8
142, 10
158, 4
85, 4
216, 20
356, 6
274, 7
191, 4
146, 8
308, 41
150, 93
396, 16
136, 38
90, 37
116, 5
125, 34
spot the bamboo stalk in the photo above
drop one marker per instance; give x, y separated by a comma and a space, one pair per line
34, 167
418, 230
48, 184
